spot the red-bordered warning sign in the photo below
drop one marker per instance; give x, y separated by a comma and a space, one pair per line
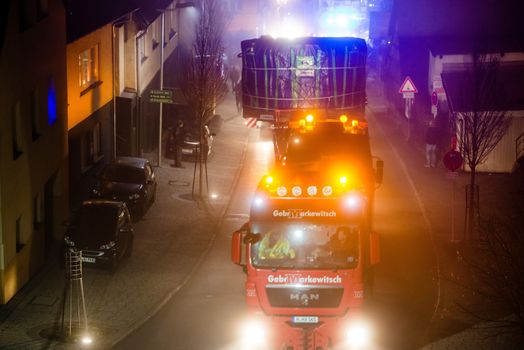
408, 86
250, 122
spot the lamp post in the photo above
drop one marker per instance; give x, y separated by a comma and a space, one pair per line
161, 88
162, 39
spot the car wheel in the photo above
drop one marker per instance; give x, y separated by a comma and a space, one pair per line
129, 247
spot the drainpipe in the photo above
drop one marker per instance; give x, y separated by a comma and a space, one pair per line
138, 128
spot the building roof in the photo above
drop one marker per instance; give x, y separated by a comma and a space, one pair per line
460, 46
505, 92
84, 17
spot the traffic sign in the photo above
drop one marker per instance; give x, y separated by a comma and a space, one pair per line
161, 96
452, 160
408, 95
408, 86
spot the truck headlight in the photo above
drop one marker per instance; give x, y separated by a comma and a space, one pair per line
358, 334
353, 201
259, 202
254, 333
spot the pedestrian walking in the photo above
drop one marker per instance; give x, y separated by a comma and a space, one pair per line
170, 145
431, 145
178, 136
234, 76
238, 96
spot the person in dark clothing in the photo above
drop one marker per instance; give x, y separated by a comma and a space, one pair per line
170, 145
234, 75
431, 145
178, 136
238, 96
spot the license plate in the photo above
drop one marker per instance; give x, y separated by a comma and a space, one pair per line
187, 151
304, 319
88, 260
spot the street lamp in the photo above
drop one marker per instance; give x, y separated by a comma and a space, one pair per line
162, 39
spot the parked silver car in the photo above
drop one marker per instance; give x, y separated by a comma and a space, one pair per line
191, 146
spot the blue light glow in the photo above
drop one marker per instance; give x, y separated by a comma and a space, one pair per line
51, 103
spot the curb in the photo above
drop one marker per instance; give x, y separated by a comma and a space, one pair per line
207, 207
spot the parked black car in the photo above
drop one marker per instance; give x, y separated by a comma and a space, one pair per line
103, 231
130, 180
191, 145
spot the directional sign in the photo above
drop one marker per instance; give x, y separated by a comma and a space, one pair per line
408, 86
161, 96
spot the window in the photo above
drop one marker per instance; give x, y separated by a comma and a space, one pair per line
97, 142
156, 34
19, 241
142, 48
88, 67
17, 131
172, 24
42, 9
24, 15
35, 114
91, 147
37, 211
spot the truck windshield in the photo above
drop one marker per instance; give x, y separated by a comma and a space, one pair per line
305, 245
313, 147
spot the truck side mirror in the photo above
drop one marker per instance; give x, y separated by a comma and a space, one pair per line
374, 248
236, 247
379, 171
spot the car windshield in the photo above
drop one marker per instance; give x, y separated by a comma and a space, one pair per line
124, 174
94, 224
305, 245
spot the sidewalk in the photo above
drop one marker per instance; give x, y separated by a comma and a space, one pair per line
170, 242
443, 199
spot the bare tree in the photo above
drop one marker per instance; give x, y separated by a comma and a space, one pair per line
203, 79
484, 120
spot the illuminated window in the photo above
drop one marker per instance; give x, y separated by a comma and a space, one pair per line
16, 128
88, 67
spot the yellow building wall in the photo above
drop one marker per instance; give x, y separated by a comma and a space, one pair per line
82, 103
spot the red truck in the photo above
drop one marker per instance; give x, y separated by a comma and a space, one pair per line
308, 249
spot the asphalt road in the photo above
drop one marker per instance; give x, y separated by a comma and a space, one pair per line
206, 312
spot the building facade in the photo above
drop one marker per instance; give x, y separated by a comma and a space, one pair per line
33, 143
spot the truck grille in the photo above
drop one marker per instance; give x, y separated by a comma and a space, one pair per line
304, 296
